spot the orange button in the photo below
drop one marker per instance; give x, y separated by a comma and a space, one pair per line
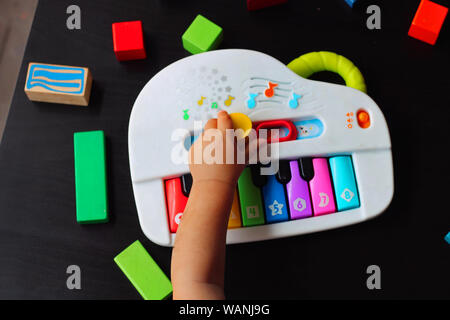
363, 119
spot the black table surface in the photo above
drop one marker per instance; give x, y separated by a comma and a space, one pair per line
39, 236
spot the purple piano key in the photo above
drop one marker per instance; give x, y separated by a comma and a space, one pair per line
298, 194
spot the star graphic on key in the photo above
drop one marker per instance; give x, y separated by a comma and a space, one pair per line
276, 208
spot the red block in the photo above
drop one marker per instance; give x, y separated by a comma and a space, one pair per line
128, 40
428, 21
176, 202
260, 4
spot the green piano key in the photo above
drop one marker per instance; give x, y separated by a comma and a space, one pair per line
90, 177
250, 199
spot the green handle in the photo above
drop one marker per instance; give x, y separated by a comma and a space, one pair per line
313, 62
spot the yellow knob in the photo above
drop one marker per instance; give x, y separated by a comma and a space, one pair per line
241, 121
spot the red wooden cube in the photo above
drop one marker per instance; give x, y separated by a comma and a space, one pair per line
260, 4
428, 21
128, 40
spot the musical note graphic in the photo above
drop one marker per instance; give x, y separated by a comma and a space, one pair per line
293, 103
269, 92
200, 102
214, 105
251, 102
185, 114
228, 101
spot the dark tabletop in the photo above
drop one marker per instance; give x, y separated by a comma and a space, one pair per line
39, 236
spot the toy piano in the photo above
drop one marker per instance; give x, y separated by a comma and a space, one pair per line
335, 165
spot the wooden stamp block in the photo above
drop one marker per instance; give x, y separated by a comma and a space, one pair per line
58, 84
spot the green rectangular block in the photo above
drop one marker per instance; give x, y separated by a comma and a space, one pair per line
143, 272
251, 201
90, 177
202, 35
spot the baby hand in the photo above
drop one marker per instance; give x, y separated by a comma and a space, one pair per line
219, 154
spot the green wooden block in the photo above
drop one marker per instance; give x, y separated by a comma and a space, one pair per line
251, 201
143, 272
90, 177
202, 35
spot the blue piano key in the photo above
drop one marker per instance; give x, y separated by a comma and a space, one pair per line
275, 200
344, 183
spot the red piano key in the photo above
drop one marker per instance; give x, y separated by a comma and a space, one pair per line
176, 202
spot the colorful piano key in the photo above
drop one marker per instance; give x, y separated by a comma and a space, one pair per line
298, 194
235, 215
275, 200
250, 200
300, 189
186, 184
321, 188
176, 202
344, 183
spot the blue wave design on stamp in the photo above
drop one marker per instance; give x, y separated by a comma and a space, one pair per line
56, 78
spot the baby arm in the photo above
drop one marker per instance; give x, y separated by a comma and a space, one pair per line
198, 257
